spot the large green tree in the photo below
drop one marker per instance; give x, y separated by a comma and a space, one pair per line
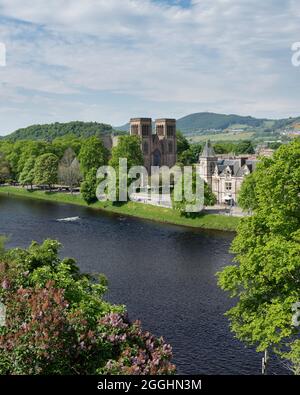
128, 147
88, 186
92, 154
244, 147
45, 170
27, 175
5, 170
265, 278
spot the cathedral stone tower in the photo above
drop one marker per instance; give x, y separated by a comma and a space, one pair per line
166, 136
207, 162
143, 127
159, 149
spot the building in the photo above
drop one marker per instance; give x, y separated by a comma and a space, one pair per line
159, 148
224, 175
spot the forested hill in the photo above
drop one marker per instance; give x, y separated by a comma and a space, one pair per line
207, 120
202, 122
50, 131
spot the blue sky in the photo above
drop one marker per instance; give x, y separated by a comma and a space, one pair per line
106, 61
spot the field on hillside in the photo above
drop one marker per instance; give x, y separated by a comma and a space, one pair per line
221, 137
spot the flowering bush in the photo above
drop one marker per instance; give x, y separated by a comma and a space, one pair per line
57, 321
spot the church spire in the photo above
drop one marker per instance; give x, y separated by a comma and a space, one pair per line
208, 151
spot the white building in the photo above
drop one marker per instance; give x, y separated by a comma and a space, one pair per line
224, 176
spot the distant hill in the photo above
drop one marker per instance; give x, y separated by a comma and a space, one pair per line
50, 131
203, 122
207, 120
123, 128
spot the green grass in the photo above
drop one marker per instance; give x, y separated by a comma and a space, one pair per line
205, 221
221, 137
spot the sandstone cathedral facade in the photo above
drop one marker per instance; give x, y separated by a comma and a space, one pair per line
159, 148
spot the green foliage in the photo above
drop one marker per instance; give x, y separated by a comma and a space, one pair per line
52, 131
182, 143
225, 147
206, 120
266, 277
27, 175
247, 198
244, 147
45, 169
92, 154
88, 187
191, 155
209, 197
128, 147
57, 321
5, 171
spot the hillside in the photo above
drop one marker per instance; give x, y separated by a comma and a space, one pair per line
124, 128
208, 121
51, 131
211, 121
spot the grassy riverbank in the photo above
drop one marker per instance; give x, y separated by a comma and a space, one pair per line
205, 221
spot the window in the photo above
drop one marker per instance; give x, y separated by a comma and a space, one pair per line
228, 186
170, 130
170, 147
145, 130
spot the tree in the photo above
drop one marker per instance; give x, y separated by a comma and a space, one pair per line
247, 198
266, 277
4, 168
191, 155
88, 186
92, 154
58, 321
209, 198
244, 147
224, 147
182, 142
45, 170
27, 175
128, 147
69, 169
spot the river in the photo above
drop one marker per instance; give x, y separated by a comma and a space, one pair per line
164, 274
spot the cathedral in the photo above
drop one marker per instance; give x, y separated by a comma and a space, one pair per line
159, 148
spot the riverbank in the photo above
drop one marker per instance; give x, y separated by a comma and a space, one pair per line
205, 221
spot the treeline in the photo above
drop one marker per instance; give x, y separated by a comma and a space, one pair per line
49, 132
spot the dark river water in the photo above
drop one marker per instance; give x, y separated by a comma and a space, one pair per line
164, 274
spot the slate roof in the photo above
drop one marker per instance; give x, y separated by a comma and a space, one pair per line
235, 165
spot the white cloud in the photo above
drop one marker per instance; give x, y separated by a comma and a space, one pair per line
217, 55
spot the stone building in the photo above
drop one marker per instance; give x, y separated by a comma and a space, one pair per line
159, 148
225, 176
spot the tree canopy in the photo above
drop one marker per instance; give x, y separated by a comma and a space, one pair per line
266, 276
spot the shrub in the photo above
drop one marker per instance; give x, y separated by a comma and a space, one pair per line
57, 321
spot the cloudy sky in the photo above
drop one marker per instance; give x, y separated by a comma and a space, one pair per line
108, 60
